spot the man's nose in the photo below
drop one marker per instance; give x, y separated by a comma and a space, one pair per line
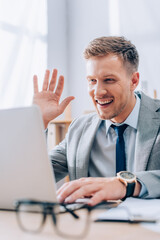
99, 90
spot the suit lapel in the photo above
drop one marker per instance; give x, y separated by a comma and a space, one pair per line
85, 145
148, 126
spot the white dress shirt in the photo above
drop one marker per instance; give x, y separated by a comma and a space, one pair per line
103, 153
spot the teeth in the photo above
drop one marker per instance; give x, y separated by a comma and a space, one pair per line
104, 102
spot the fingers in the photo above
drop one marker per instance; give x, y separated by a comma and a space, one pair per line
46, 80
98, 197
67, 189
99, 188
83, 191
50, 85
60, 86
35, 84
53, 80
73, 190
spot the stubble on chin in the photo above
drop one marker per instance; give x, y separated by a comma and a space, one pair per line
107, 116
102, 115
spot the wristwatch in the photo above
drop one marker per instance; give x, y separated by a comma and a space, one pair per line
129, 180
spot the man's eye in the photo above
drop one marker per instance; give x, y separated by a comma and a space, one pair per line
109, 80
92, 80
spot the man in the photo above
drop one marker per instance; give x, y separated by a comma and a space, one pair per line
93, 152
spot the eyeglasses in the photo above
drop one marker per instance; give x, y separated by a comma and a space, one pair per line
31, 216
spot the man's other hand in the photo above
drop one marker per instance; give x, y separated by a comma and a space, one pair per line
98, 189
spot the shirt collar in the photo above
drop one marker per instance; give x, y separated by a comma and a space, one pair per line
131, 120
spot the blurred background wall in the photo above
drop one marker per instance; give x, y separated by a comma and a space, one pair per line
40, 34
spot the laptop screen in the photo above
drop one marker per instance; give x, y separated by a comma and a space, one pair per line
25, 168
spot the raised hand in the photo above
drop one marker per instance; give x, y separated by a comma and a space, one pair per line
48, 99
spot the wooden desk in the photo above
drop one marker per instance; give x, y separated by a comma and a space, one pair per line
9, 230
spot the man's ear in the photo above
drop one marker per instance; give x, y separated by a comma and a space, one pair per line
134, 80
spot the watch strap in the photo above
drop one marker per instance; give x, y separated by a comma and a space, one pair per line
129, 190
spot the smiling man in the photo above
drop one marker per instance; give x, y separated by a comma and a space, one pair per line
114, 153
111, 87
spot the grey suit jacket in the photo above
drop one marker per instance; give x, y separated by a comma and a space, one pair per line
72, 155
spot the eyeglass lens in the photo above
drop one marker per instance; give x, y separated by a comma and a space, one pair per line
32, 216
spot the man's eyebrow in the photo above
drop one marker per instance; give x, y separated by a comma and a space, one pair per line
89, 76
108, 75
105, 76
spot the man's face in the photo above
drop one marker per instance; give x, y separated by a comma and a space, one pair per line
111, 87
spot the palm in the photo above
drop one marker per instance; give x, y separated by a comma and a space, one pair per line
47, 100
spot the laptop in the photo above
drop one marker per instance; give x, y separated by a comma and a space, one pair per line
25, 168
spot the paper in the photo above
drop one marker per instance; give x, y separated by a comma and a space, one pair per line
134, 210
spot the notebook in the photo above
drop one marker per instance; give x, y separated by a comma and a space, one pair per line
25, 168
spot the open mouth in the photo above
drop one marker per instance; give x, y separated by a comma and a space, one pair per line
104, 103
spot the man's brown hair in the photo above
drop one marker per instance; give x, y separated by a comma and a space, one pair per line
119, 46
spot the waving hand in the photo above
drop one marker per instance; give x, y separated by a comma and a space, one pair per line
49, 98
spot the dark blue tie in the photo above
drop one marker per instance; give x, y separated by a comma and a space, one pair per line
120, 148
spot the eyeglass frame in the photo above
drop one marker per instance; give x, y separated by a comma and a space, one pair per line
48, 209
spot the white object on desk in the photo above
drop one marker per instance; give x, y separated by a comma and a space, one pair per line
133, 209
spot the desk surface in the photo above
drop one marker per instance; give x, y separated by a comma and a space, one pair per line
9, 229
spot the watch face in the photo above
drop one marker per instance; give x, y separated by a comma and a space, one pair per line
127, 175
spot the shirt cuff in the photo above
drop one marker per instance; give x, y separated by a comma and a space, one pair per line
144, 190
